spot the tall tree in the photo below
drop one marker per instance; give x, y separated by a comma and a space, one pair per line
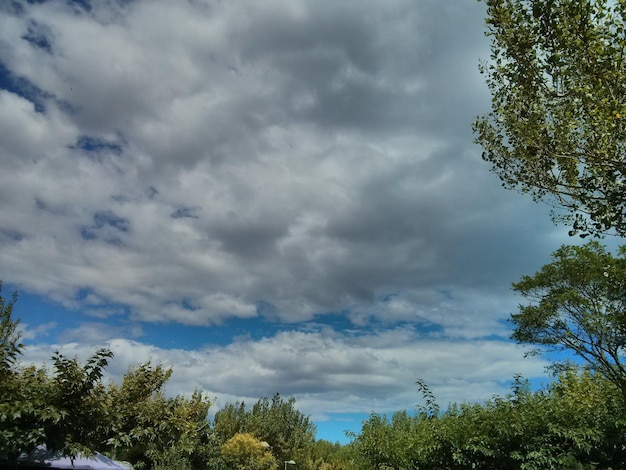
10, 335
289, 432
578, 303
557, 128
73, 412
149, 427
76, 392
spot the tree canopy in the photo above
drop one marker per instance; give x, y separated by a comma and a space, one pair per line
70, 410
289, 432
572, 424
557, 128
578, 303
243, 451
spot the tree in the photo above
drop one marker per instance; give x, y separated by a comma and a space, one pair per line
557, 128
578, 303
71, 411
289, 432
76, 392
571, 424
10, 346
326, 455
22, 391
150, 428
64, 411
245, 452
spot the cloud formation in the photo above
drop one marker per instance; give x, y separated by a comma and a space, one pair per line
195, 159
294, 163
327, 371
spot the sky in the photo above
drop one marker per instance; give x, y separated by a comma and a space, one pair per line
277, 196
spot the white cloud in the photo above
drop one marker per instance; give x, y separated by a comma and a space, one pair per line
39, 331
184, 177
95, 332
195, 162
328, 372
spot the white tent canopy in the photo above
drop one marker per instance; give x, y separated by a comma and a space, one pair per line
41, 457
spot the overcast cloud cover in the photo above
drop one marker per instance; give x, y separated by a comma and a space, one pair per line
276, 195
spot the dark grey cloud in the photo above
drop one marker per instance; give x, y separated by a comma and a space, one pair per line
373, 68
316, 157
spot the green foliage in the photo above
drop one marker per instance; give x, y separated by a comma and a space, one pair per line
557, 129
431, 407
578, 304
243, 451
151, 429
71, 411
573, 424
76, 392
10, 346
63, 411
13, 399
325, 455
22, 411
289, 432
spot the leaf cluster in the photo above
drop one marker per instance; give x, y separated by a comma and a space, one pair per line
557, 128
572, 424
71, 411
578, 304
243, 451
289, 432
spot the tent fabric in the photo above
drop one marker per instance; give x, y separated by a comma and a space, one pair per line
43, 458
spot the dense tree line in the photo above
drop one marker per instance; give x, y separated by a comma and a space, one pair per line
577, 422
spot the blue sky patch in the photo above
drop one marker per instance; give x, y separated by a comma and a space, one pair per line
23, 87
94, 144
184, 213
39, 36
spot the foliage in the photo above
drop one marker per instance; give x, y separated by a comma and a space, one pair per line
571, 424
578, 303
22, 416
557, 129
15, 429
151, 429
62, 411
73, 412
10, 346
289, 432
76, 392
431, 407
70, 410
243, 451
326, 455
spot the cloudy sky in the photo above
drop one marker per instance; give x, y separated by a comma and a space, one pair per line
268, 196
